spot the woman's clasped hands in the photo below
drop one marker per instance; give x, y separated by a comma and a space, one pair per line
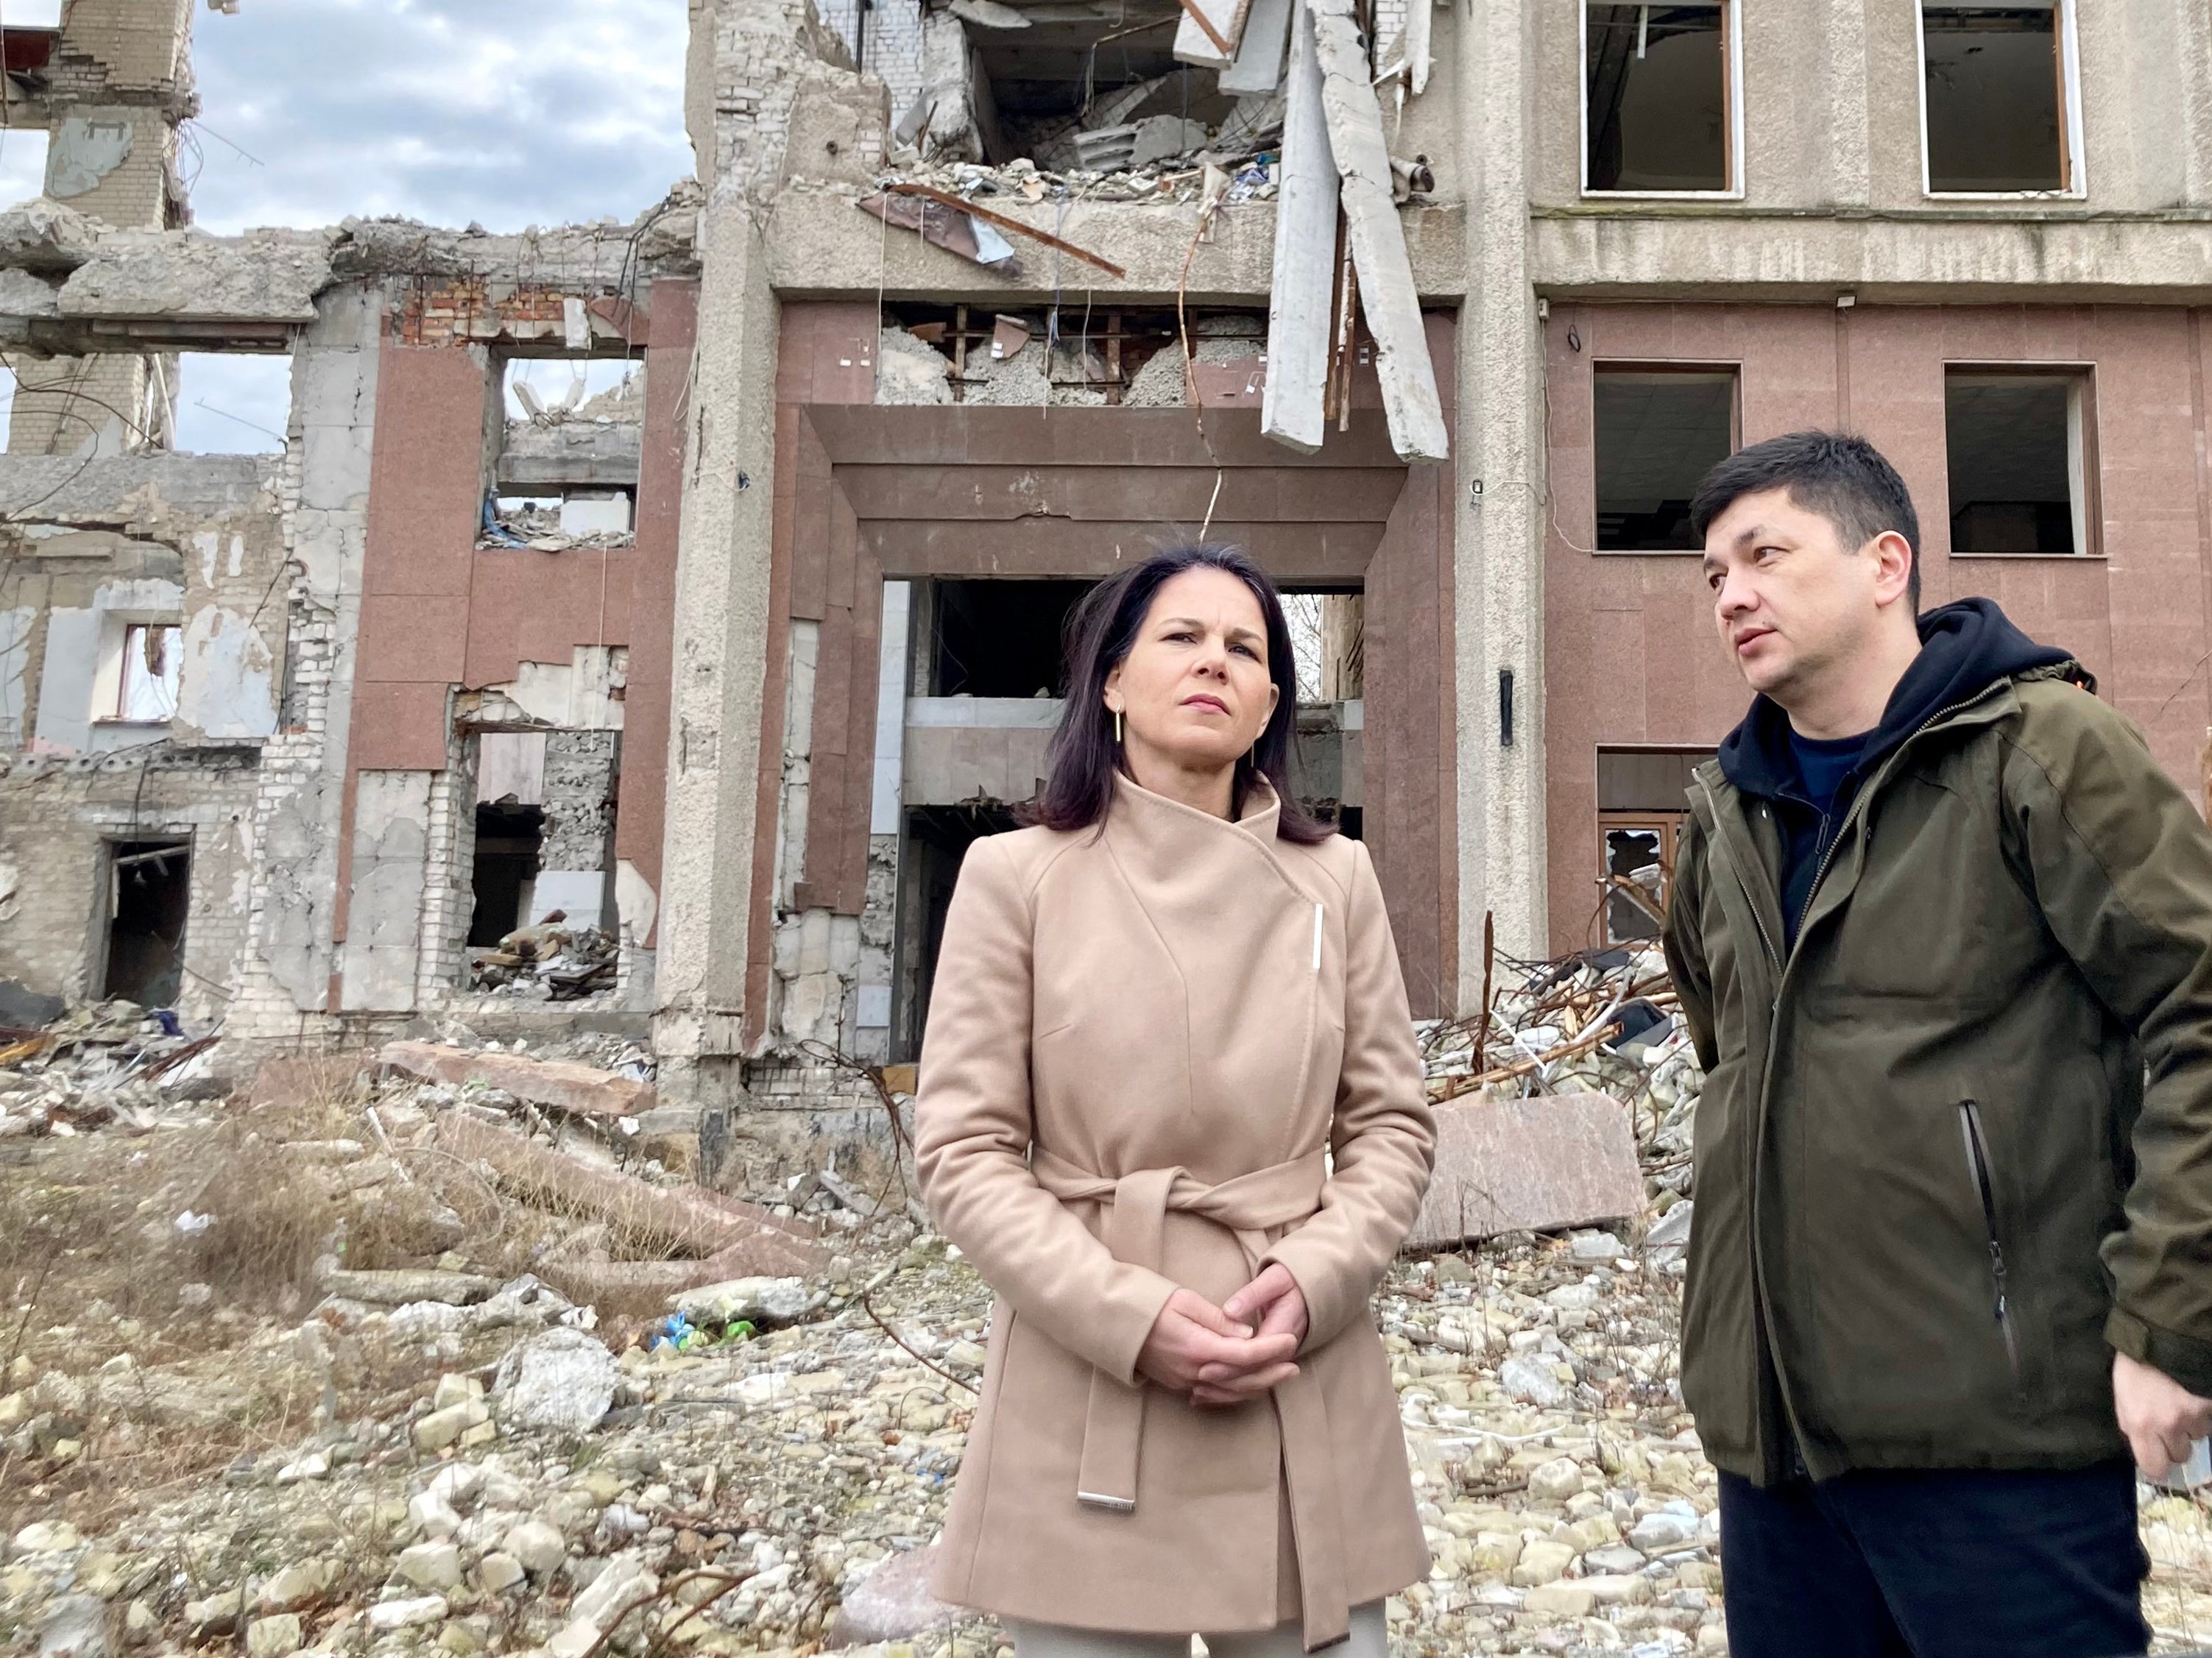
1228, 1354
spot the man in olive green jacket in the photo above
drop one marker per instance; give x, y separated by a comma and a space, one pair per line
1942, 931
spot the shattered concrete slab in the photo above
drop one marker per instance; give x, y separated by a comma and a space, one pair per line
1531, 1165
263, 275
558, 1082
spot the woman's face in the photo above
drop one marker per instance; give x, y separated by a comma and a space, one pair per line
1193, 691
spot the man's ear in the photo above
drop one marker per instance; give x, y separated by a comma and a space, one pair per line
1893, 556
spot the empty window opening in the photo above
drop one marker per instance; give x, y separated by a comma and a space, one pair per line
1642, 806
149, 895
230, 403
1656, 432
22, 163
146, 689
2017, 446
998, 638
596, 518
1658, 112
555, 390
1328, 640
509, 837
567, 472
1995, 105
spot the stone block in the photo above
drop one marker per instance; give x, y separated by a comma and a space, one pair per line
1528, 1165
559, 1082
1543, 1561
1559, 1601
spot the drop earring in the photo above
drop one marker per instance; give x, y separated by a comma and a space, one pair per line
1117, 726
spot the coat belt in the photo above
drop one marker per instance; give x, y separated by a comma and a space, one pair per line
1135, 1232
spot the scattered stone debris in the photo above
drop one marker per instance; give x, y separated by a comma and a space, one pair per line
423, 1438
116, 1063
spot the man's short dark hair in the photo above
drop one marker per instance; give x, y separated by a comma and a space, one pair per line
1842, 477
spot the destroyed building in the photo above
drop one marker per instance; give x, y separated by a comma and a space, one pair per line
1440, 311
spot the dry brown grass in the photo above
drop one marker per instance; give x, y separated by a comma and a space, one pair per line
92, 1265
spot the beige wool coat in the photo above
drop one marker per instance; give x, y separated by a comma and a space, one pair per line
1161, 1056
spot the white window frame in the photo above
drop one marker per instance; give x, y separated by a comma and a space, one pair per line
108, 674
2069, 60
1735, 191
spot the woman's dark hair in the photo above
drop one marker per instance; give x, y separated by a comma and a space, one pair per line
1100, 633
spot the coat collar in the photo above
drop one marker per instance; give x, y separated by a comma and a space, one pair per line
1162, 839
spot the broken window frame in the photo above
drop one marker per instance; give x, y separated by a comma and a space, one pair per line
2073, 184
1732, 90
1667, 826
2081, 450
112, 678
1636, 366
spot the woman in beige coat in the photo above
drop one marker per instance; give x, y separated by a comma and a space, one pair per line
1171, 1109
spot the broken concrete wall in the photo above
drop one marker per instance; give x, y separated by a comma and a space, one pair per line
766, 52
118, 81
59, 815
390, 871
94, 548
297, 810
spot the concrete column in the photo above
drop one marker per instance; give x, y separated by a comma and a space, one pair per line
1498, 589
720, 662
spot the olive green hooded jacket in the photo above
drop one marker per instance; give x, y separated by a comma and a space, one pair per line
1955, 1141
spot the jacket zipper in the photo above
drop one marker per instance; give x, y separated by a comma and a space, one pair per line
1977, 1166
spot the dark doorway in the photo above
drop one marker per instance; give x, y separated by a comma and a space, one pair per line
999, 638
937, 839
509, 840
149, 893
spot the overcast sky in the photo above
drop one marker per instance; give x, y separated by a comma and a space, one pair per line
505, 112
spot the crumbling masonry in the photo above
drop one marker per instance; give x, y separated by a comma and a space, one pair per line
967, 306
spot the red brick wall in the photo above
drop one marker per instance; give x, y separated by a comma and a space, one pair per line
439, 613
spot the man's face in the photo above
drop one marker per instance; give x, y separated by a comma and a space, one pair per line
1790, 598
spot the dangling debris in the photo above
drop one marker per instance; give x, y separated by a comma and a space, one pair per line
951, 229
1389, 301
1292, 410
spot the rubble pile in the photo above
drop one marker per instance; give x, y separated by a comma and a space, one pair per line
1594, 1021
537, 524
548, 962
532, 1393
1252, 172
116, 1063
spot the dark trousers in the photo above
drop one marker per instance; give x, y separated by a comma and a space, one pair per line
1935, 1564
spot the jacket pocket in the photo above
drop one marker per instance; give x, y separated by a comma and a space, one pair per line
1985, 1186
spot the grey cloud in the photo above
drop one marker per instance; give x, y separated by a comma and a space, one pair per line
508, 112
